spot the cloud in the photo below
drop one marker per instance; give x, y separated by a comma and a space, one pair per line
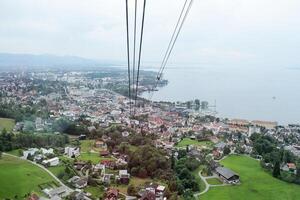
230, 30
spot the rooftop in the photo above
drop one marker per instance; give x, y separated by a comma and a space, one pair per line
227, 173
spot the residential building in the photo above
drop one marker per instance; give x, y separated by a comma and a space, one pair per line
72, 152
51, 162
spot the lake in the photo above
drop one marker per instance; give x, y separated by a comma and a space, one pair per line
253, 93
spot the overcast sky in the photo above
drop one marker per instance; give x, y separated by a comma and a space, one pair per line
216, 31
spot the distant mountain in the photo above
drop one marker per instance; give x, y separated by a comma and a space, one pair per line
23, 61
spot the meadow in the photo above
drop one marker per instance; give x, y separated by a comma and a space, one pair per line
255, 183
6, 123
95, 158
187, 141
19, 177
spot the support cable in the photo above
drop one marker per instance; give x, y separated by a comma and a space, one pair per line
140, 52
128, 57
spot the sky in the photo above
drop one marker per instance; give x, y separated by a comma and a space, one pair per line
229, 32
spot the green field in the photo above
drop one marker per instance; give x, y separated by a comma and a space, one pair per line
86, 145
15, 152
19, 177
214, 181
94, 157
6, 123
255, 183
56, 170
187, 141
97, 192
136, 182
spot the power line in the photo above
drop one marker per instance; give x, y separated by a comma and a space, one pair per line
172, 38
181, 25
172, 42
134, 44
140, 52
128, 57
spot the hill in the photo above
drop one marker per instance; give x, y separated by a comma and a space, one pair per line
19, 177
255, 183
20, 61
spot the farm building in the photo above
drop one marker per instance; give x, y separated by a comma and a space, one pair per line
227, 175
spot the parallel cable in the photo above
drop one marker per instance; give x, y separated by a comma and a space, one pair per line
128, 57
134, 44
172, 38
185, 16
172, 42
140, 52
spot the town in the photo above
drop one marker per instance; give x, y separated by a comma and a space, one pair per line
81, 130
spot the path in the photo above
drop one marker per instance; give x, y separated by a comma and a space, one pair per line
42, 167
207, 185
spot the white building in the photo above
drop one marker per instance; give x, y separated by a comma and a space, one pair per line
51, 162
253, 129
30, 151
47, 151
72, 151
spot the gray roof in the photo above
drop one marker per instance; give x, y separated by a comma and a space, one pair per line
227, 173
58, 191
220, 145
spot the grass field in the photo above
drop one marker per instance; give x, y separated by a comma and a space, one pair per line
56, 170
188, 141
6, 123
15, 152
255, 183
86, 145
94, 157
19, 177
97, 192
134, 181
214, 181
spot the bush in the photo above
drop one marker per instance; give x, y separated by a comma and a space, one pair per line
131, 190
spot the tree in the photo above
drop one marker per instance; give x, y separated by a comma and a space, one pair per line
142, 173
181, 153
197, 103
172, 161
189, 105
297, 178
226, 150
0, 154
91, 181
67, 170
188, 195
131, 190
276, 169
20, 152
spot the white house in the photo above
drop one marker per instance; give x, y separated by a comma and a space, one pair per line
51, 162
125, 134
30, 151
72, 151
78, 182
47, 151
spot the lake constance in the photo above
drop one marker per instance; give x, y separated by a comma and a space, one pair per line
251, 93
